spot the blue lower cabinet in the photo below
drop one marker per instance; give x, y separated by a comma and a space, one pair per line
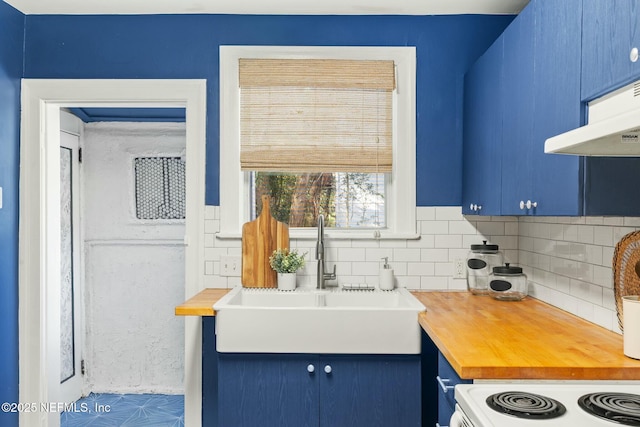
447, 379
267, 390
319, 390
370, 391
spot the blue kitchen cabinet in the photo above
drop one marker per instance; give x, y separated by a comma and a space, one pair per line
538, 74
556, 179
447, 379
611, 31
320, 390
270, 390
380, 390
517, 111
482, 157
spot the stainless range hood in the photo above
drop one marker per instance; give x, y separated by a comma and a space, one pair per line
613, 129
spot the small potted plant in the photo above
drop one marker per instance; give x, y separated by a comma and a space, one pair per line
286, 262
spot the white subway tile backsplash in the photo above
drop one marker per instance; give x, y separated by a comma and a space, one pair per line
434, 227
567, 259
612, 220
376, 254
434, 255
448, 213
425, 241
462, 227
432, 283
603, 236
448, 241
410, 255
426, 214
443, 269
421, 269
585, 233
365, 268
352, 254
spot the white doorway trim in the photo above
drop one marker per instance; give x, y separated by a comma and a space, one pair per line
39, 253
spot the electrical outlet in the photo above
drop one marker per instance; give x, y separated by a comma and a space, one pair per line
459, 271
230, 266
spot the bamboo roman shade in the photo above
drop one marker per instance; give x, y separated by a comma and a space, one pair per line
316, 115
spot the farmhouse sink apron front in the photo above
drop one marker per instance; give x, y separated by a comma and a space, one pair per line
318, 321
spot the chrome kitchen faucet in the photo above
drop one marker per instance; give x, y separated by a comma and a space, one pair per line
322, 276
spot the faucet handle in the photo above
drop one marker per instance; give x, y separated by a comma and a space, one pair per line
331, 276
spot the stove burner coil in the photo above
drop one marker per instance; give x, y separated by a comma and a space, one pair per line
525, 405
622, 408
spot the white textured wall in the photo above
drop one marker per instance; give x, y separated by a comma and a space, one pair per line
134, 269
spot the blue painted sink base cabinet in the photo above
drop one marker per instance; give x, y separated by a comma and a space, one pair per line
248, 390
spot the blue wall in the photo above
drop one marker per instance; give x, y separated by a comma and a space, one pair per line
11, 59
169, 46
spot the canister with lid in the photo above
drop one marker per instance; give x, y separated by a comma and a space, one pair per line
480, 262
508, 283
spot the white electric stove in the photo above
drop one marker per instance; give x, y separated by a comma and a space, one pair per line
561, 399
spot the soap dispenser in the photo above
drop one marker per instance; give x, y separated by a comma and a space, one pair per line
386, 276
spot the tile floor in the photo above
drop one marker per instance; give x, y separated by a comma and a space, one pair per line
112, 410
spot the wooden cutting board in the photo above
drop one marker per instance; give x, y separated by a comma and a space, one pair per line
260, 238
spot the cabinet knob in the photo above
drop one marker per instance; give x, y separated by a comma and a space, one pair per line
529, 204
471, 207
311, 369
327, 369
633, 55
478, 207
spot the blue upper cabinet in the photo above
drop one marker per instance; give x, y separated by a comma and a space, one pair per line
518, 107
611, 31
482, 184
557, 179
525, 89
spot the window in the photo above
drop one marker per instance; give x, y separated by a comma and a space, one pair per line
160, 188
356, 194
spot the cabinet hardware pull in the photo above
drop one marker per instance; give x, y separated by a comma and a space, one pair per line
443, 384
633, 55
529, 204
311, 369
327, 369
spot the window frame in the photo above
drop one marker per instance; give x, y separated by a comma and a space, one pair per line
400, 184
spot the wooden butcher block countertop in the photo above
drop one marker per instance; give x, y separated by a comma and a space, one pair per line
202, 303
487, 339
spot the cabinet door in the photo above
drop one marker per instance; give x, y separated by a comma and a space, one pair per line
611, 30
370, 391
556, 178
447, 379
517, 118
267, 390
482, 157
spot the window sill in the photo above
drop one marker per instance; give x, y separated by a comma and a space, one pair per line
333, 235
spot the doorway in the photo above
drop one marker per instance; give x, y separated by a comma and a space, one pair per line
40, 221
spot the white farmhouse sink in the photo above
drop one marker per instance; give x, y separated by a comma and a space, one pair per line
314, 321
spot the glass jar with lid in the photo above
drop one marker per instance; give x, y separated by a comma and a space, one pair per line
508, 283
480, 262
